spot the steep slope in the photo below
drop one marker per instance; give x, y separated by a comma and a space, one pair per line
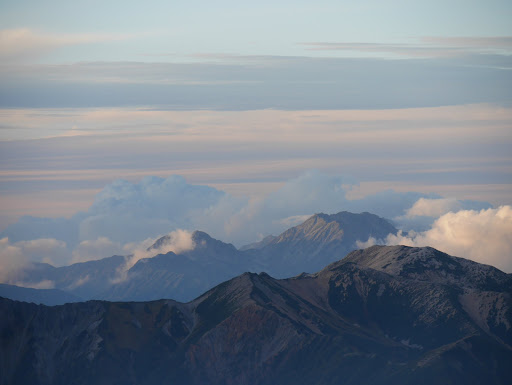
349, 323
320, 240
181, 276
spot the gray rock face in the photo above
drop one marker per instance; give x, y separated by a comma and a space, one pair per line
320, 240
385, 315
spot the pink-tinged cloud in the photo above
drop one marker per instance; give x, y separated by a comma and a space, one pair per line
24, 43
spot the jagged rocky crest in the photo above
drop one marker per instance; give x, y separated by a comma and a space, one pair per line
320, 240
384, 315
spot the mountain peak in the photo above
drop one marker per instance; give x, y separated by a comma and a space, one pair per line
200, 237
331, 227
320, 240
427, 264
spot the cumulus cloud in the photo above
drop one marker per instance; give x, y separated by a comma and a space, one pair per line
483, 236
433, 207
370, 242
48, 250
126, 212
422, 214
12, 260
18, 256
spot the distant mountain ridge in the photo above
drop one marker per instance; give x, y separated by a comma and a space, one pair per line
183, 275
320, 240
49, 297
383, 315
308, 247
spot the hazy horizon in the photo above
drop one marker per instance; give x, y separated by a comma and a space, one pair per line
242, 120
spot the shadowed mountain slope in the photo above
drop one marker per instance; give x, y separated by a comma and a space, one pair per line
384, 315
183, 276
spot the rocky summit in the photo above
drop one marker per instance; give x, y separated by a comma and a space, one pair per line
318, 241
384, 315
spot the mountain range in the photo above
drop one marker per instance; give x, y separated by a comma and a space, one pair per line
383, 315
183, 276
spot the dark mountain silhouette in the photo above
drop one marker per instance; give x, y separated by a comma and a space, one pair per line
384, 315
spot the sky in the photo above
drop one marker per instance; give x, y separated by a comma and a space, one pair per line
261, 112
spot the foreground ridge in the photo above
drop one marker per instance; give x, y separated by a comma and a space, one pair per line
383, 315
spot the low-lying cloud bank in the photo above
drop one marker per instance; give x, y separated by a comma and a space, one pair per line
126, 218
125, 212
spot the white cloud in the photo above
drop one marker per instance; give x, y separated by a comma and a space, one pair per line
370, 242
46, 250
18, 256
131, 212
433, 207
12, 260
99, 248
483, 236
422, 214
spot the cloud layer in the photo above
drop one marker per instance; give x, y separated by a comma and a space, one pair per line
125, 212
126, 218
261, 82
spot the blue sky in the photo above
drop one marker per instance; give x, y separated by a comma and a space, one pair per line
395, 97
129, 30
